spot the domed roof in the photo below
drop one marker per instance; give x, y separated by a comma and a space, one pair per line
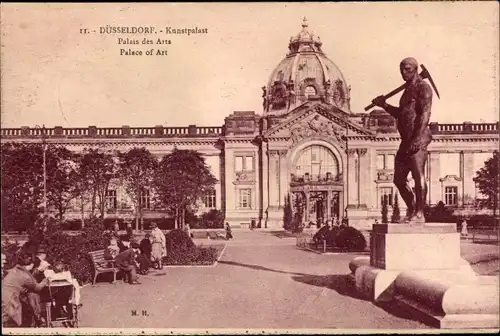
305, 74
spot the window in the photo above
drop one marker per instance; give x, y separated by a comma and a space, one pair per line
389, 161
209, 199
310, 91
111, 199
239, 163
248, 163
380, 161
244, 163
450, 195
317, 161
386, 194
245, 198
145, 200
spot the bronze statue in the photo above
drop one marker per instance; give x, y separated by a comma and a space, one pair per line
412, 119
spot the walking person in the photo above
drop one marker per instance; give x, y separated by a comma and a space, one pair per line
158, 245
464, 232
229, 234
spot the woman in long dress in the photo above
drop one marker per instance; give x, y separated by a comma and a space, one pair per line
158, 245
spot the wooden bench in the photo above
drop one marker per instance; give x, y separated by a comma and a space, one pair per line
101, 265
215, 235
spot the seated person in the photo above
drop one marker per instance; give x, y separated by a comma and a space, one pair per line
124, 243
20, 298
126, 262
145, 246
112, 250
60, 272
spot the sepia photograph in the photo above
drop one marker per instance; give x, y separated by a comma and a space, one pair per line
250, 168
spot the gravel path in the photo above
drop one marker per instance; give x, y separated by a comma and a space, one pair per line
269, 284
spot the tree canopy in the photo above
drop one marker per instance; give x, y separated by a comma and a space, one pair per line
182, 178
486, 180
136, 171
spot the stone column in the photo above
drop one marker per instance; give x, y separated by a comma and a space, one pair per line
434, 185
273, 177
352, 184
229, 179
328, 205
306, 208
265, 180
469, 187
363, 197
283, 177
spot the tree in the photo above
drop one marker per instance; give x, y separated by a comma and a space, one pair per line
22, 185
486, 180
385, 209
181, 180
62, 179
137, 169
287, 214
396, 213
95, 173
212, 219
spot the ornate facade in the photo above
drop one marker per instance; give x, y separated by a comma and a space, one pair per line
306, 144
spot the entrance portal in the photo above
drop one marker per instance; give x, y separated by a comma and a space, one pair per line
317, 207
316, 185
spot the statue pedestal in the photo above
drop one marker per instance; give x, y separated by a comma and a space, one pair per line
420, 267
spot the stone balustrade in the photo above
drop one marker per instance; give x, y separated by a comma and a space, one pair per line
464, 128
110, 132
197, 131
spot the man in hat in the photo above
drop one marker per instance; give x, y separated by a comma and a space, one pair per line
126, 261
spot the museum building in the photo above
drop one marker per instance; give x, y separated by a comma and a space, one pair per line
306, 144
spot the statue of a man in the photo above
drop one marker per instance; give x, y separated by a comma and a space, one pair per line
412, 119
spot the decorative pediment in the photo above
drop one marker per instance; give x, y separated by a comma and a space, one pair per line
317, 120
450, 178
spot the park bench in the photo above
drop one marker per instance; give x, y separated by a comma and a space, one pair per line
101, 265
215, 235
485, 234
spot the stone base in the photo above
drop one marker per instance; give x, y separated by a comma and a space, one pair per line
420, 267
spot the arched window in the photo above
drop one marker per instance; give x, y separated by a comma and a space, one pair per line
318, 162
310, 91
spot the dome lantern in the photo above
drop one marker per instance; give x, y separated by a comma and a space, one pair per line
305, 74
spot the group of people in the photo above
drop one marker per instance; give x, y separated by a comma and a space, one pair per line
134, 258
27, 285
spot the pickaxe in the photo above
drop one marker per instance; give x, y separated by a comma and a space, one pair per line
424, 74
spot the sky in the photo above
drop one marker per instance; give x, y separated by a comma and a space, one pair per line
52, 74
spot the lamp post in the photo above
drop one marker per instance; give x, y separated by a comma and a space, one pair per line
44, 149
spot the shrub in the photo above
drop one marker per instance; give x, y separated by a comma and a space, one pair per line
287, 214
331, 235
72, 249
196, 256
179, 241
297, 226
396, 213
385, 209
350, 239
214, 219
321, 234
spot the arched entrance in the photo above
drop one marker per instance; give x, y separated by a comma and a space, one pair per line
316, 185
